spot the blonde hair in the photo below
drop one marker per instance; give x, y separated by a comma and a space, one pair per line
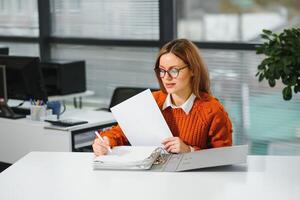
190, 55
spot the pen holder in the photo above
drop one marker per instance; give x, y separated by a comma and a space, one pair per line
37, 113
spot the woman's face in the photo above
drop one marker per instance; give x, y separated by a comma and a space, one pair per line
181, 85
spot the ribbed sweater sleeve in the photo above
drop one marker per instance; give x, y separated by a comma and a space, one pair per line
116, 136
220, 132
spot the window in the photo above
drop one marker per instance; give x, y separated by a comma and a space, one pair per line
23, 49
2, 6
106, 19
259, 114
19, 18
234, 20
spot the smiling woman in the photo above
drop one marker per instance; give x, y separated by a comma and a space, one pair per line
196, 119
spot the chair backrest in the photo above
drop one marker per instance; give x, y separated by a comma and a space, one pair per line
122, 93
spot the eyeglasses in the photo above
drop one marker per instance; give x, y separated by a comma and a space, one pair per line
172, 72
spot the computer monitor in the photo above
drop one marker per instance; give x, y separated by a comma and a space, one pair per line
4, 50
5, 110
24, 80
3, 93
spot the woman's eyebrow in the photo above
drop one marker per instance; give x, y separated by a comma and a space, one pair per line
160, 66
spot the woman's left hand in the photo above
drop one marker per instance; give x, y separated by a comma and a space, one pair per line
175, 145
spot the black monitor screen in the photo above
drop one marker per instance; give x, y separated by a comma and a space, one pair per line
24, 79
3, 95
4, 50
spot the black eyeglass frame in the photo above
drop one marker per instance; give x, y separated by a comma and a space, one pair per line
159, 71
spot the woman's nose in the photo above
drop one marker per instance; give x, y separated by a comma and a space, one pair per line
168, 76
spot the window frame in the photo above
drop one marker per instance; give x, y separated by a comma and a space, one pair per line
167, 29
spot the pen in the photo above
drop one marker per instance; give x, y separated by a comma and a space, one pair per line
96, 132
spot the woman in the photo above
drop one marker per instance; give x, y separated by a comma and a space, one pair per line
196, 119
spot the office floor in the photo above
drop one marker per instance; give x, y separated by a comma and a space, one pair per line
3, 166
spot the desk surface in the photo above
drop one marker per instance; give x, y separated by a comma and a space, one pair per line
53, 175
94, 118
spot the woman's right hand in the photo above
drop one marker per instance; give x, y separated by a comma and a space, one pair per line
101, 147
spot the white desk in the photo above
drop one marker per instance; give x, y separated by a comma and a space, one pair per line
19, 137
55, 176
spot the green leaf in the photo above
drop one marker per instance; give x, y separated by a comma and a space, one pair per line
261, 77
287, 93
270, 74
261, 67
277, 40
257, 74
286, 70
292, 80
297, 88
284, 79
272, 82
260, 49
287, 61
268, 32
277, 73
267, 74
263, 36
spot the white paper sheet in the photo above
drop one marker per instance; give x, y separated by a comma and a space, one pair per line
128, 158
126, 155
141, 120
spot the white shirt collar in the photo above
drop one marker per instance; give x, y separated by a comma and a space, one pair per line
186, 107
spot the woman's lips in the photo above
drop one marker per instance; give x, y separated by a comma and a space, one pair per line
169, 85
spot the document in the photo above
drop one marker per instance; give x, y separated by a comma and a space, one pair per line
128, 157
141, 120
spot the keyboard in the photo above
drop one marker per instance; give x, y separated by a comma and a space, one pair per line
66, 122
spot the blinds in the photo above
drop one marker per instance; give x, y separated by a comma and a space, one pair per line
23, 49
233, 20
106, 19
19, 18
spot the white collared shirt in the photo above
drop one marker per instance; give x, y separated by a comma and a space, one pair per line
186, 107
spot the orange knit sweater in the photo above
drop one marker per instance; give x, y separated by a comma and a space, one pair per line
206, 126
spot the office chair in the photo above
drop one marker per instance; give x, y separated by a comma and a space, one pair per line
123, 93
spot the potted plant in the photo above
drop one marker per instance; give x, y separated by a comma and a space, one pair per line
282, 60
